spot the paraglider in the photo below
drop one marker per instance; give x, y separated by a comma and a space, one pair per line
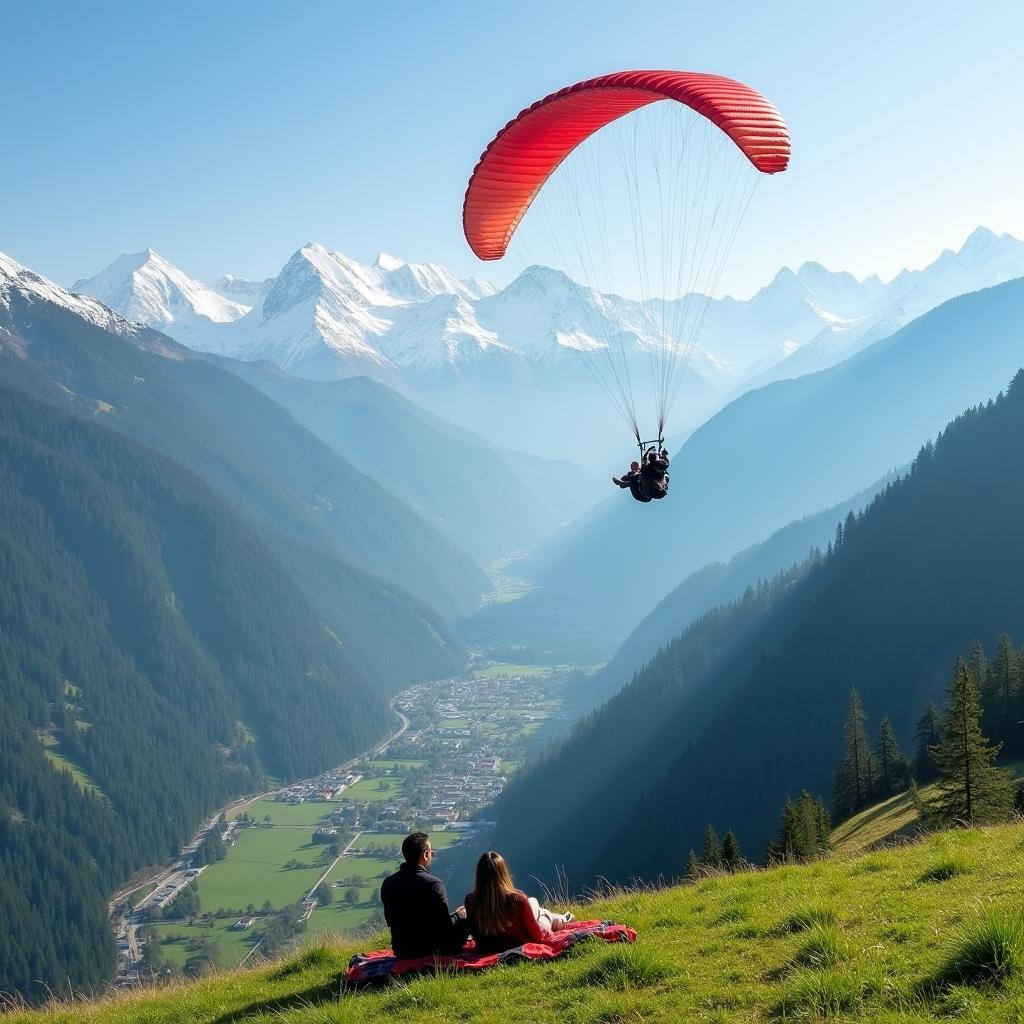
706, 163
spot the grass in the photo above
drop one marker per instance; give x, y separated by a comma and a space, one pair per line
54, 754
989, 950
369, 789
438, 840
253, 870
946, 868
823, 947
308, 813
828, 941
893, 819
400, 762
233, 946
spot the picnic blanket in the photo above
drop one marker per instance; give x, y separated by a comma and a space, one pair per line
366, 968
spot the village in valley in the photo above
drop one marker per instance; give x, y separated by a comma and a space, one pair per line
310, 856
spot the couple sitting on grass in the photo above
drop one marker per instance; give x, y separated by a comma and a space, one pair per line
497, 914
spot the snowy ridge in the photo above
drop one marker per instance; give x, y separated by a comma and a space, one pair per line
145, 288
418, 327
16, 278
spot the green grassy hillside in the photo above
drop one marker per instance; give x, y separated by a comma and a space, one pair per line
922, 932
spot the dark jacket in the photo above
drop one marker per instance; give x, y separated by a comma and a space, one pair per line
655, 478
416, 910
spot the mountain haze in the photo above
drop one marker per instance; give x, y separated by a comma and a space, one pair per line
745, 708
490, 501
794, 445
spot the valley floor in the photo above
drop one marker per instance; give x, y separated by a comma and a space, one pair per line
460, 740
878, 937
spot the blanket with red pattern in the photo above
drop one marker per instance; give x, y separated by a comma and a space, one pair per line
365, 968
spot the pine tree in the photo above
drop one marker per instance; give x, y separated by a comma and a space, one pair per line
804, 831
971, 790
927, 734
854, 777
732, 858
712, 853
891, 761
1005, 686
822, 826
692, 867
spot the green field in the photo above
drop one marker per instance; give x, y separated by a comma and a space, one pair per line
439, 840
281, 813
253, 870
502, 668
369, 789
386, 765
233, 945
454, 723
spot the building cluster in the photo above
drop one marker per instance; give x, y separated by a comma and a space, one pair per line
326, 787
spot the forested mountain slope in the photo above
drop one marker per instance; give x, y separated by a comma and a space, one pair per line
794, 446
354, 549
718, 584
150, 639
488, 500
933, 564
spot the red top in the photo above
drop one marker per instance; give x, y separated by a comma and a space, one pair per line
522, 926
526, 152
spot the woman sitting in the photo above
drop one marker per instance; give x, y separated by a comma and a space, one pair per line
500, 916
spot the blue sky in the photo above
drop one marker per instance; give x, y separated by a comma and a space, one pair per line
226, 135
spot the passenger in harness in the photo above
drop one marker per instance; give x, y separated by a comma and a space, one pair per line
628, 479
648, 482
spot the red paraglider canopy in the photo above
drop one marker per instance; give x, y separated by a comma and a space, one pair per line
527, 151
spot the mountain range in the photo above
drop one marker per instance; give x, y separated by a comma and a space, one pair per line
477, 355
773, 455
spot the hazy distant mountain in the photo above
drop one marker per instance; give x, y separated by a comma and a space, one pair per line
488, 500
985, 259
784, 449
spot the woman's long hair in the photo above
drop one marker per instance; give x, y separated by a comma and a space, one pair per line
492, 894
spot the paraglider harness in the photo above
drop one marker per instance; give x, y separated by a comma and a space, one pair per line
643, 487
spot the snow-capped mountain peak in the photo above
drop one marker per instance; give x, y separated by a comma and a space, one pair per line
385, 261
150, 290
326, 315
16, 280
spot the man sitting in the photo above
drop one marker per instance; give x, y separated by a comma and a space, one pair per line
416, 905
